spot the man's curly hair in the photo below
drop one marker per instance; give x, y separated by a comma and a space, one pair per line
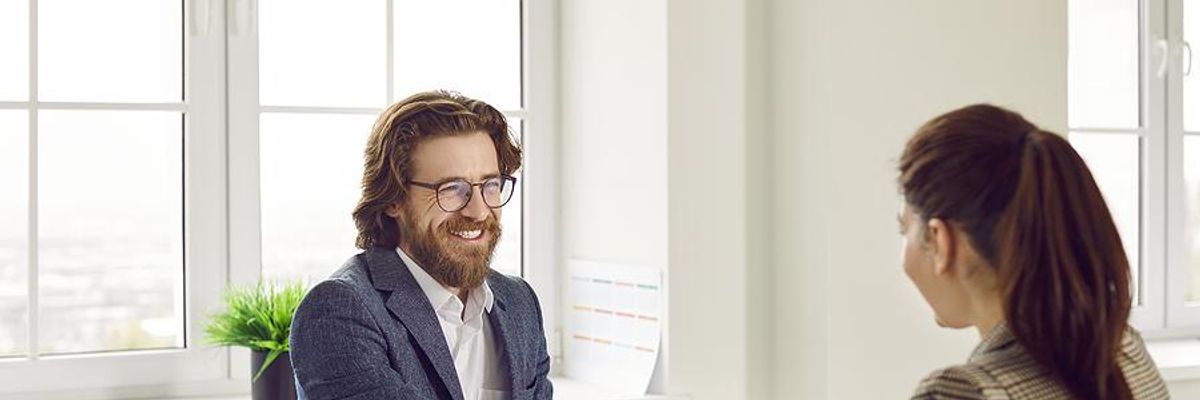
397, 132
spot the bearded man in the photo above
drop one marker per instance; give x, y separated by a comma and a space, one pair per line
420, 314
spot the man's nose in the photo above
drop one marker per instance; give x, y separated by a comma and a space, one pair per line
476, 208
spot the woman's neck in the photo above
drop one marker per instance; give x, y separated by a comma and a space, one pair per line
989, 313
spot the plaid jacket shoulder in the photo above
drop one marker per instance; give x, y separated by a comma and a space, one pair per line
1000, 369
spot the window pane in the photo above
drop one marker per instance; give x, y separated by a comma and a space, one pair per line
1191, 183
14, 51
477, 50
316, 53
112, 50
311, 171
1115, 162
507, 258
14, 217
1191, 82
111, 230
1102, 64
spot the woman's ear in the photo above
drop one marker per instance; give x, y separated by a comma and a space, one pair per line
942, 244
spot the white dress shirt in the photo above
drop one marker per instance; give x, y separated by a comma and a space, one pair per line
468, 331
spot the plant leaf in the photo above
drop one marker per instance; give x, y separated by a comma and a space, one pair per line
266, 363
258, 318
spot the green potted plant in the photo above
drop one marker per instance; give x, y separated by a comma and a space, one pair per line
260, 318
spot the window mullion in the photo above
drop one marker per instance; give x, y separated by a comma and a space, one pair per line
242, 159
32, 241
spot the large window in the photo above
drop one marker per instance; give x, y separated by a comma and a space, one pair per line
1134, 115
107, 207
152, 152
93, 179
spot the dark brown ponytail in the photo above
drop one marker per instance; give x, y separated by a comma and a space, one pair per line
1030, 206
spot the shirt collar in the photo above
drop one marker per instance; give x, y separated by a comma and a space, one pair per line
437, 294
999, 338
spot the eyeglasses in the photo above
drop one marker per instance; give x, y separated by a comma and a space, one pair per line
453, 195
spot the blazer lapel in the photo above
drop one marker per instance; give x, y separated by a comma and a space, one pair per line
409, 304
512, 344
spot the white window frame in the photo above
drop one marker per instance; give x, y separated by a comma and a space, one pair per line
1182, 317
1149, 313
221, 238
1163, 312
542, 249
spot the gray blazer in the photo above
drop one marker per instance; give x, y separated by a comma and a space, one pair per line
369, 332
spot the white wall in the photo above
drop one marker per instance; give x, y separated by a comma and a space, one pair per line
850, 82
613, 92
614, 131
709, 328
1184, 389
760, 182
655, 165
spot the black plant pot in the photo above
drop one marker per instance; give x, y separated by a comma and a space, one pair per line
277, 382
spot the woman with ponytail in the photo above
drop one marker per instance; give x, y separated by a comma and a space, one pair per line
1006, 231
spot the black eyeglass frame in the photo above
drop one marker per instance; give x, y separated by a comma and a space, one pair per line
437, 188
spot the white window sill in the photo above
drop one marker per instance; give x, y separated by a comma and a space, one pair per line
1177, 360
563, 389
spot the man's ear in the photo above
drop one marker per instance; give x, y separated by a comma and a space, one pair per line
942, 245
394, 211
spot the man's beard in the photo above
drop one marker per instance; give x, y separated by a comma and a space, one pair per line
452, 264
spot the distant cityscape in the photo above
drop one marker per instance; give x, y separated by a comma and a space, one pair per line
122, 292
